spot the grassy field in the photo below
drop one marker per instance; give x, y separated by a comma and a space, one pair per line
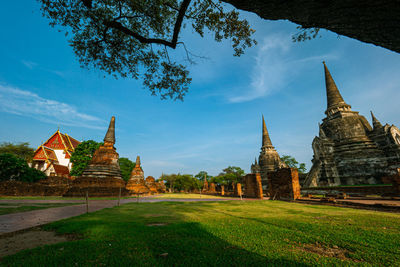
6, 208
231, 233
187, 196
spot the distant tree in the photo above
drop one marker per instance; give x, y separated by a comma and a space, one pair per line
292, 163
15, 168
126, 166
203, 174
82, 155
230, 175
21, 150
169, 180
178, 182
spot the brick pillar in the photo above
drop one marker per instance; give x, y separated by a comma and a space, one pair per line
222, 190
253, 185
284, 184
238, 189
258, 189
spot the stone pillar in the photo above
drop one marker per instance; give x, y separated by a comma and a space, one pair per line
259, 189
238, 189
284, 184
253, 186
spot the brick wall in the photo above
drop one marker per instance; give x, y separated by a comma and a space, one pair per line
284, 184
253, 186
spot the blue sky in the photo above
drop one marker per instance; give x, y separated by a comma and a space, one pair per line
219, 123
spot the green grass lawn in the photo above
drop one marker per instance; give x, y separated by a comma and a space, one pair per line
6, 208
232, 233
187, 196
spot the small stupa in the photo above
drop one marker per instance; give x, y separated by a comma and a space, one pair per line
205, 184
102, 177
151, 184
136, 183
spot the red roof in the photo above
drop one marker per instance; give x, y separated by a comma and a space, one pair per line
50, 153
56, 141
39, 154
60, 169
45, 153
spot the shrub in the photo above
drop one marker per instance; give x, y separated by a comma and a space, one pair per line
15, 168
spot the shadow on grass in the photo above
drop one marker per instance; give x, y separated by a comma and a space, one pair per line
122, 237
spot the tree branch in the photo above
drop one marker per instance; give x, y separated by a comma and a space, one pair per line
178, 24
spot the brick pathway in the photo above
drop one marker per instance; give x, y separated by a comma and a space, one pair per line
23, 220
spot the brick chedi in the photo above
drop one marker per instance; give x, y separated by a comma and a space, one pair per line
348, 151
211, 188
136, 183
205, 185
269, 159
161, 188
151, 184
102, 177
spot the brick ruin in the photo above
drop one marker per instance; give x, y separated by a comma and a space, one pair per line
253, 186
205, 186
348, 151
237, 188
102, 177
51, 186
211, 188
136, 183
284, 184
151, 184
268, 160
161, 188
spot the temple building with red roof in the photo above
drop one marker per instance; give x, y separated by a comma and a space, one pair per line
53, 156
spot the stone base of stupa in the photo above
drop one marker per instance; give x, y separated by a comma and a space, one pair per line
151, 184
98, 181
137, 189
161, 188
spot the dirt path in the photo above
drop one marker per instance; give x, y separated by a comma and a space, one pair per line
24, 220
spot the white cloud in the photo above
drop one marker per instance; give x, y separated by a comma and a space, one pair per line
28, 104
274, 68
29, 64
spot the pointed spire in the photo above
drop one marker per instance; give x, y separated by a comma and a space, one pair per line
377, 124
255, 161
266, 141
334, 98
110, 135
137, 161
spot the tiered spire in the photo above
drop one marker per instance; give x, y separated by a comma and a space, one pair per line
110, 135
137, 161
266, 141
377, 124
334, 98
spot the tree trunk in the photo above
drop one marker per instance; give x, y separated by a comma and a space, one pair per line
369, 21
